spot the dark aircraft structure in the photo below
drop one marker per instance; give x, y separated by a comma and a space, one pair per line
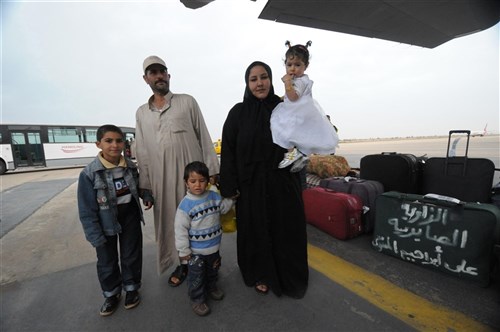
425, 23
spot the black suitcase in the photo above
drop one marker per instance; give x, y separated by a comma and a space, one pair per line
440, 233
495, 193
367, 190
396, 171
468, 179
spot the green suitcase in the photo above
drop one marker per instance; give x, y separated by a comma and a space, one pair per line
438, 232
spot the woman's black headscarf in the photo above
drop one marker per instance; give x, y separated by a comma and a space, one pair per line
247, 146
258, 113
272, 100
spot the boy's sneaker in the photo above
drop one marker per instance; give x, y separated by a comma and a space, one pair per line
299, 164
216, 294
290, 158
201, 309
110, 305
132, 299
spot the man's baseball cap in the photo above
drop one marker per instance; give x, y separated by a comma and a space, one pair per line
152, 60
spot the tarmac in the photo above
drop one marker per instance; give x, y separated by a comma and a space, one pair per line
49, 283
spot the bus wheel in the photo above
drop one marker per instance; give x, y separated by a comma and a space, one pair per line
3, 167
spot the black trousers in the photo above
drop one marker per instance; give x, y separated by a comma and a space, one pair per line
119, 260
202, 275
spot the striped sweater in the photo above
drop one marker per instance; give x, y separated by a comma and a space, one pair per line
197, 223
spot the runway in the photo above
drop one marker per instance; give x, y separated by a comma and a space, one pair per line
479, 147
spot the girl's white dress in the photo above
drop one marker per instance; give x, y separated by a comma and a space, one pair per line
302, 123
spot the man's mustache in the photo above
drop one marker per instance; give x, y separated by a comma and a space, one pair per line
161, 81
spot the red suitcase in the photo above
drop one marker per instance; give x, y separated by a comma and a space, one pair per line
338, 214
367, 190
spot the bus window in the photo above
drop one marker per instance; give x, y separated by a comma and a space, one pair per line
91, 135
64, 135
36, 148
27, 149
18, 150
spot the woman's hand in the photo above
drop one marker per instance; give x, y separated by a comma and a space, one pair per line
235, 197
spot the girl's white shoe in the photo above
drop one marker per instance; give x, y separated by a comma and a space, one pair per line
290, 158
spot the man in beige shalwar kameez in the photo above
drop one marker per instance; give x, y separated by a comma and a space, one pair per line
170, 133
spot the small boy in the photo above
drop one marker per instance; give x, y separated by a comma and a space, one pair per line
110, 212
198, 234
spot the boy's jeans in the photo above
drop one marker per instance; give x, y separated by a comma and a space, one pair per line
128, 258
202, 275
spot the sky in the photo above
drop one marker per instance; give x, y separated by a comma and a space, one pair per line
80, 62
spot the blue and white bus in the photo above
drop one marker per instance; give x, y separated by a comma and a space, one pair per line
31, 145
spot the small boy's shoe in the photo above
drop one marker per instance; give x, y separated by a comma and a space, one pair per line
290, 158
299, 164
216, 294
110, 305
201, 309
132, 299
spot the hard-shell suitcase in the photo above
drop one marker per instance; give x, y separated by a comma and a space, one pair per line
338, 214
367, 190
438, 232
468, 179
495, 193
396, 171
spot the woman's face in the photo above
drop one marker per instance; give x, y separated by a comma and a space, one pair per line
259, 82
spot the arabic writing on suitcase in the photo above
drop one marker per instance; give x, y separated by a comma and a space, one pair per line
438, 232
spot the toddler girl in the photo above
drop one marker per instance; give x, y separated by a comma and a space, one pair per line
299, 124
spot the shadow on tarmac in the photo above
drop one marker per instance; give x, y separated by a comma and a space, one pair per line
69, 300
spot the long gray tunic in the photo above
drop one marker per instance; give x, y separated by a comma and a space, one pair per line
166, 141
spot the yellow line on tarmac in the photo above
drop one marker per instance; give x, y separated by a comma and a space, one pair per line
417, 312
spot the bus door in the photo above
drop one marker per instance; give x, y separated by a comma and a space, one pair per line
27, 148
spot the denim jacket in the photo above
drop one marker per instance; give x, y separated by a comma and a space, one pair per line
97, 202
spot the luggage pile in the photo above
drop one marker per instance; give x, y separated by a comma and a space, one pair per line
434, 212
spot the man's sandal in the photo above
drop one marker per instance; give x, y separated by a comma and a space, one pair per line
261, 288
178, 276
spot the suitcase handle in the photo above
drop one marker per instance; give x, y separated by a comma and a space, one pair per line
442, 199
447, 160
460, 132
449, 141
352, 179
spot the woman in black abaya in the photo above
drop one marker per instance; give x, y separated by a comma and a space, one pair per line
271, 236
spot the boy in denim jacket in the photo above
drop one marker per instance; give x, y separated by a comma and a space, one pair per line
111, 215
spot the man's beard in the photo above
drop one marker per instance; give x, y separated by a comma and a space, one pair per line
163, 89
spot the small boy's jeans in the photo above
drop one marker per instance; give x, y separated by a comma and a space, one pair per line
123, 268
202, 275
